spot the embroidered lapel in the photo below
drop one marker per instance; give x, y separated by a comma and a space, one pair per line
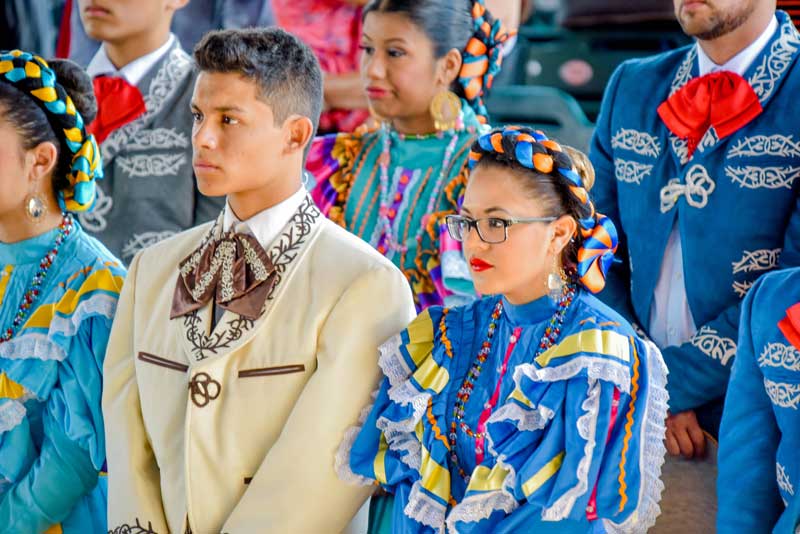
232, 331
764, 76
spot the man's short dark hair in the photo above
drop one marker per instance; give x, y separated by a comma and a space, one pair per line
284, 68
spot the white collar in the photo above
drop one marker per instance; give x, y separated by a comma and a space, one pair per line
134, 71
741, 61
266, 225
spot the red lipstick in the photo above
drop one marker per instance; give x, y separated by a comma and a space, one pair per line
478, 265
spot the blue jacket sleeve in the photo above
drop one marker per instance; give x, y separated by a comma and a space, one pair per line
747, 495
604, 194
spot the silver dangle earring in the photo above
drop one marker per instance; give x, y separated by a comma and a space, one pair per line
556, 281
35, 207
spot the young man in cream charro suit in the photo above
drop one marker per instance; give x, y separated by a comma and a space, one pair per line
244, 348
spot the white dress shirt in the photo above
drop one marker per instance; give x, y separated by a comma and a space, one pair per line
134, 71
266, 225
671, 321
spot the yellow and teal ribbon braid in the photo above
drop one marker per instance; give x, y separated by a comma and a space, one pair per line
32, 75
533, 150
483, 57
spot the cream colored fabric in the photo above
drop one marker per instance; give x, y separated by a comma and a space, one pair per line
170, 459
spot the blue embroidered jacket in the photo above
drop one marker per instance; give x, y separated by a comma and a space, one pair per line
759, 467
734, 200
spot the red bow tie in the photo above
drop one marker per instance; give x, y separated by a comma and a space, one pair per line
723, 100
790, 325
118, 103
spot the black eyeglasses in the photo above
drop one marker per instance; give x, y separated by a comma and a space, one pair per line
492, 230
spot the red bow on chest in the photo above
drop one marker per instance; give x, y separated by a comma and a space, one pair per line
118, 103
722, 100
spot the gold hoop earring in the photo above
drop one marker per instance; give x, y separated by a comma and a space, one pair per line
35, 207
446, 110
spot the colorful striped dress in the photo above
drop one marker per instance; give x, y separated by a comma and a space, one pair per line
52, 443
563, 440
400, 209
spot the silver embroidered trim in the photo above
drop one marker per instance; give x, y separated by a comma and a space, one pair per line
774, 64
251, 258
96, 220
752, 261
152, 165
684, 73
783, 394
765, 145
710, 343
780, 356
142, 241
161, 138
631, 172
741, 288
783, 479
698, 187
641, 143
11, 414
753, 177
681, 148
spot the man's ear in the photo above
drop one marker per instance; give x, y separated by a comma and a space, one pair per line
299, 131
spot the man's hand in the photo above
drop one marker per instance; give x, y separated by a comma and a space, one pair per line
684, 435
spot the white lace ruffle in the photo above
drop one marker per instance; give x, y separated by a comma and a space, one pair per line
424, 509
587, 429
653, 450
527, 419
11, 414
598, 369
45, 346
402, 441
392, 362
341, 462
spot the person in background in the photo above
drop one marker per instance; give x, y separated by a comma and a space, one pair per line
393, 185
143, 81
58, 294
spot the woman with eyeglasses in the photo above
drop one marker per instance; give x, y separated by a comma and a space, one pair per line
535, 408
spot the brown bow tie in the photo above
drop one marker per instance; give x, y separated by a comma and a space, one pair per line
233, 269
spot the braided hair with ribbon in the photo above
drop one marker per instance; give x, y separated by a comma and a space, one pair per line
546, 162
465, 25
32, 76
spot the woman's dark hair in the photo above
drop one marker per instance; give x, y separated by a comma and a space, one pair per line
554, 192
452, 24
31, 122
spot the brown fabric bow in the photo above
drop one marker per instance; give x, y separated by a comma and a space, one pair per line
233, 269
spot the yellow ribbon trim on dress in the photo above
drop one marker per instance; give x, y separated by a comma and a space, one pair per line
485, 479
379, 464
10, 389
543, 475
420, 338
435, 478
5, 276
520, 397
605, 342
431, 375
97, 281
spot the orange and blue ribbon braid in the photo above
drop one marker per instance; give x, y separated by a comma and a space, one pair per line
33, 76
533, 150
483, 57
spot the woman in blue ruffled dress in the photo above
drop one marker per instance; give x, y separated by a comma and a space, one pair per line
536, 408
58, 293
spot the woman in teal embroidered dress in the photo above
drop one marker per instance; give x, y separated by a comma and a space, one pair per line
535, 409
425, 67
58, 293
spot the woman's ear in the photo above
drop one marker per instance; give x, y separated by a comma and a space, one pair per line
298, 132
449, 67
40, 161
564, 229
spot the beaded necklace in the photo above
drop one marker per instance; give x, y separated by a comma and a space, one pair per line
32, 294
549, 339
390, 203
